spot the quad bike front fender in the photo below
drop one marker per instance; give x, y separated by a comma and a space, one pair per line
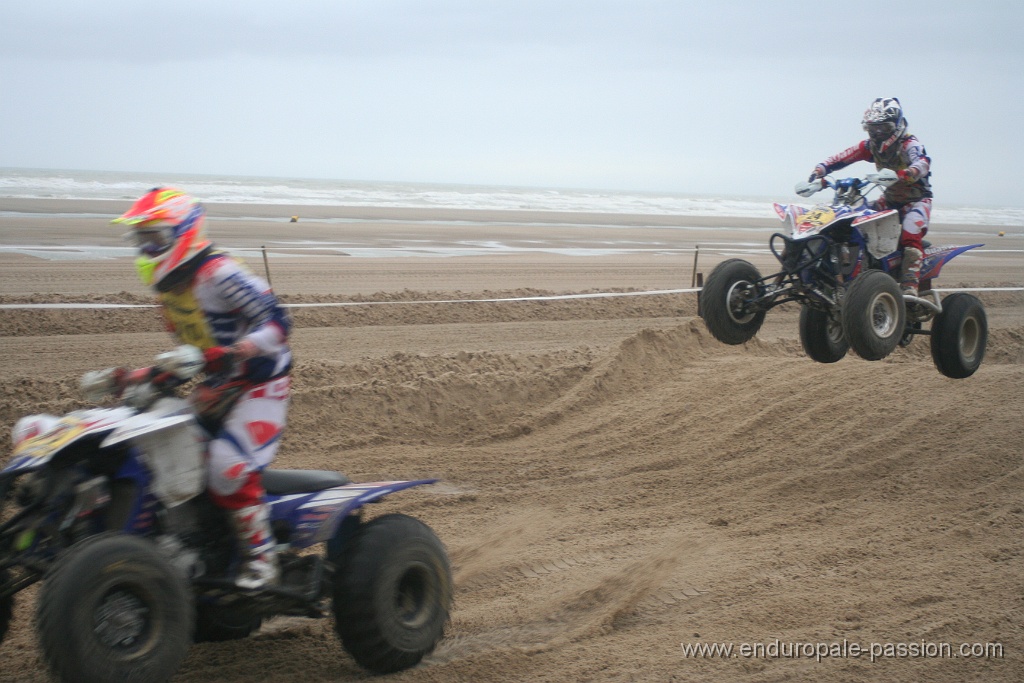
881, 232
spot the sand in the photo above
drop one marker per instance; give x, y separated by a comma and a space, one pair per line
615, 482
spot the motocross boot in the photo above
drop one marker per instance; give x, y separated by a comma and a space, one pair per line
911, 271
256, 545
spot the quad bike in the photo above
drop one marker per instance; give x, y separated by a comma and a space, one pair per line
840, 262
106, 506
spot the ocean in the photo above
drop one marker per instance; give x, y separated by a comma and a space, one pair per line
74, 184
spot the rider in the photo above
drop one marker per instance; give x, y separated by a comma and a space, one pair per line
211, 301
889, 146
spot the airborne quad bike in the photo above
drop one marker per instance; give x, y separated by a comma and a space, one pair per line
840, 263
106, 506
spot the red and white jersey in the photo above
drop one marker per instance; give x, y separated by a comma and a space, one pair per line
907, 153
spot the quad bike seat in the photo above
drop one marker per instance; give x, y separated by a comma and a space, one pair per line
286, 482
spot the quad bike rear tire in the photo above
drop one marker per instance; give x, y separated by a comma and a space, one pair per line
730, 283
6, 609
822, 336
874, 315
113, 609
392, 593
959, 336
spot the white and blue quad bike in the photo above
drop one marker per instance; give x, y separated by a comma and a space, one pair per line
106, 507
840, 262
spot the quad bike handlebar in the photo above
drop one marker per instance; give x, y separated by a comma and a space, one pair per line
882, 179
170, 368
885, 177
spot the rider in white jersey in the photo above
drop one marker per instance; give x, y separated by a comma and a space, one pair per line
890, 146
211, 301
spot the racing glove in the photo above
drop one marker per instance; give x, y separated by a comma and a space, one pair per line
218, 359
224, 358
907, 175
98, 384
819, 172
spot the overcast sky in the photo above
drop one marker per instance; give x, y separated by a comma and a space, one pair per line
738, 98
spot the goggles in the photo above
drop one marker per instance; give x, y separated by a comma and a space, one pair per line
151, 241
880, 130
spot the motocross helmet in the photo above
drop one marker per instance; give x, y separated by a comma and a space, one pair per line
168, 230
884, 122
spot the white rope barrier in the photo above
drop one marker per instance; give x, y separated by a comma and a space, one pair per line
553, 297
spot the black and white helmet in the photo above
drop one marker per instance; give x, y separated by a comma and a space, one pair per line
884, 122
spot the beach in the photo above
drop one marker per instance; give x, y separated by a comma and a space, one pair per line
615, 484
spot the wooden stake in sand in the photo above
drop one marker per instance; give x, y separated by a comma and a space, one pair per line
266, 264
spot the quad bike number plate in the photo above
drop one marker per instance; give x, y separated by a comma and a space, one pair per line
62, 433
815, 218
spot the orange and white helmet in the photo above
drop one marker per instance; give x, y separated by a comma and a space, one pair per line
168, 229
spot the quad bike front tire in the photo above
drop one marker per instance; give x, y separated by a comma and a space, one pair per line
959, 336
6, 609
730, 284
822, 336
874, 315
392, 593
113, 609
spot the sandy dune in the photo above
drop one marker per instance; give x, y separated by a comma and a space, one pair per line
616, 483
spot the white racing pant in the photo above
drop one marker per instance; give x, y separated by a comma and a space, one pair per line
246, 443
